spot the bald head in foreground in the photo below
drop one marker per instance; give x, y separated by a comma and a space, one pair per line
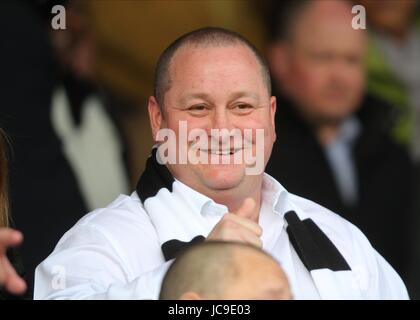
217, 270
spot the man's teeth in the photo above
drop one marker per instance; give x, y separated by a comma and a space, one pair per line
222, 152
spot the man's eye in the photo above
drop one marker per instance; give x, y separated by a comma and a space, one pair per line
197, 108
243, 108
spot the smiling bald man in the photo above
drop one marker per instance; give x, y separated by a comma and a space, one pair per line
211, 79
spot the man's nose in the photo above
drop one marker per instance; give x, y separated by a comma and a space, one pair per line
343, 71
221, 119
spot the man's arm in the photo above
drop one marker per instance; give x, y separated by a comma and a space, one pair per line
88, 265
375, 276
388, 285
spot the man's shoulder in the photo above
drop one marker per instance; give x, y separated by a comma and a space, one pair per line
372, 272
123, 218
127, 208
317, 212
347, 237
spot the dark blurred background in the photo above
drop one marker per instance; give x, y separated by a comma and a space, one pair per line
73, 103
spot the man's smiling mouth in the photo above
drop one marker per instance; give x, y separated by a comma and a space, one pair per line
223, 152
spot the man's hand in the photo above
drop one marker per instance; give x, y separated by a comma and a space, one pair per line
238, 226
9, 279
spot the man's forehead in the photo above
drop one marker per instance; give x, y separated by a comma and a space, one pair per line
330, 34
201, 68
197, 66
189, 54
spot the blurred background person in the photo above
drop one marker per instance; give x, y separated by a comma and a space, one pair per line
11, 271
84, 112
330, 130
44, 194
217, 270
393, 67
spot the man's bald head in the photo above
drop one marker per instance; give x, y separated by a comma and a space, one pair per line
204, 37
225, 270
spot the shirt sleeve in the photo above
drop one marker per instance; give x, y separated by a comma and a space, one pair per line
376, 278
87, 265
388, 285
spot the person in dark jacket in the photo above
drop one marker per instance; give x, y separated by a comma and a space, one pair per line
333, 143
44, 195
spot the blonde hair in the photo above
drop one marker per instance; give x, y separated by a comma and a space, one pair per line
4, 201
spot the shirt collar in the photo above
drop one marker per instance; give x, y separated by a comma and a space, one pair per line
348, 132
274, 196
200, 202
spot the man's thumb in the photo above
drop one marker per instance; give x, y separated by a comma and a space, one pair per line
247, 208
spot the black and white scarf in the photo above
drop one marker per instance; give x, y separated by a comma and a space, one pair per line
178, 228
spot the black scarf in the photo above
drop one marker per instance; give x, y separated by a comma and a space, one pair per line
313, 247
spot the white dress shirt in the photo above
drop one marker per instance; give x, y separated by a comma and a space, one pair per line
115, 252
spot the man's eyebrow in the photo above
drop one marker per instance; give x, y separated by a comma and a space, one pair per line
243, 94
205, 96
198, 95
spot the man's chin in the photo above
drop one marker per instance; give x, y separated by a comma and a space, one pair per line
222, 177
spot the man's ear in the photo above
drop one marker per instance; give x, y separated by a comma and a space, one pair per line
190, 295
277, 54
155, 116
273, 109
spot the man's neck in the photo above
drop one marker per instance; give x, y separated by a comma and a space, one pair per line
234, 202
